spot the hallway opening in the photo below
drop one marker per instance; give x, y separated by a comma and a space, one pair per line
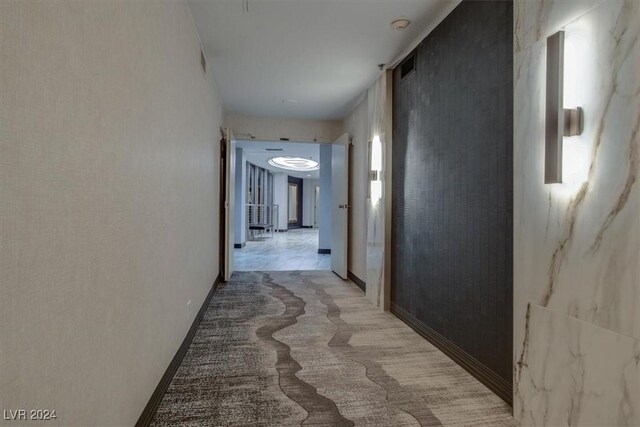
277, 213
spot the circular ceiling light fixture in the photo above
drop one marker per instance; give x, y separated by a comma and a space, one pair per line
400, 24
294, 164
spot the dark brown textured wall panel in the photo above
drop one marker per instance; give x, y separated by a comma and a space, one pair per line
452, 184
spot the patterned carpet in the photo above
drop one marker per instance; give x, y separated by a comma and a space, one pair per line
306, 348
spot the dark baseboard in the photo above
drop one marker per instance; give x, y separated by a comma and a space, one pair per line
282, 230
239, 245
307, 226
497, 384
358, 281
152, 406
324, 251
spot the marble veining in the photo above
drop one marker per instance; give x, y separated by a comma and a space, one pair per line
575, 373
577, 244
376, 100
537, 19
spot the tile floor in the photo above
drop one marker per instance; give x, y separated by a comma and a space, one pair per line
291, 250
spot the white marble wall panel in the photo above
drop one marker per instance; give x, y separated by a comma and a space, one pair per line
377, 103
577, 244
576, 373
536, 19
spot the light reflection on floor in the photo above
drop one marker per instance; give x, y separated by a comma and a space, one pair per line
291, 250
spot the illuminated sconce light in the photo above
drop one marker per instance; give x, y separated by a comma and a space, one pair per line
559, 121
375, 174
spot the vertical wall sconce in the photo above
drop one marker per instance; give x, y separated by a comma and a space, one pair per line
375, 165
559, 121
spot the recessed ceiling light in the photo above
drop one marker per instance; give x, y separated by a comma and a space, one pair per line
400, 24
294, 163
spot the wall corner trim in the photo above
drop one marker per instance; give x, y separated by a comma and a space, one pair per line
501, 387
154, 402
358, 281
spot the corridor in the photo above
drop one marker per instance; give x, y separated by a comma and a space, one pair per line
329, 213
293, 348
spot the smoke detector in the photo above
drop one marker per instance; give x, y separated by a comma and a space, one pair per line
400, 24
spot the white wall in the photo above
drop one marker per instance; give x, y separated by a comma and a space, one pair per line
378, 249
281, 198
324, 213
577, 244
356, 125
272, 129
308, 195
109, 140
239, 225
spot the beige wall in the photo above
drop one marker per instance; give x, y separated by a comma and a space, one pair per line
356, 126
272, 129
108, 202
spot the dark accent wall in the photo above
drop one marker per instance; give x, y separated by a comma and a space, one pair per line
452, 190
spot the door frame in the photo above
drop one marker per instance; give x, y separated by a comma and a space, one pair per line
222, 249
227, 199
316, 204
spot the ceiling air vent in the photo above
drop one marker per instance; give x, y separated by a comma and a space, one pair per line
203, 63
273, 149
408, 66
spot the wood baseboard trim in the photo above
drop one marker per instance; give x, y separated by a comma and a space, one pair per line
358, 281
324, 251
152, 406
501, 387
239, 245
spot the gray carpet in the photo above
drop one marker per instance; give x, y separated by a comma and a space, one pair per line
306, 348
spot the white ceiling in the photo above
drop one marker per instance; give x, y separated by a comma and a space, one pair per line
258, 155
322, 53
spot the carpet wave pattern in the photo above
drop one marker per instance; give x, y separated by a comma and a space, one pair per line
293, 348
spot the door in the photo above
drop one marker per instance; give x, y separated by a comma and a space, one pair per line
316, 203
229, 202
339, 205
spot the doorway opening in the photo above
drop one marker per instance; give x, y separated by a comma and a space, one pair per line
277, 207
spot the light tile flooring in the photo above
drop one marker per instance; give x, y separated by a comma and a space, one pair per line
291, 250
